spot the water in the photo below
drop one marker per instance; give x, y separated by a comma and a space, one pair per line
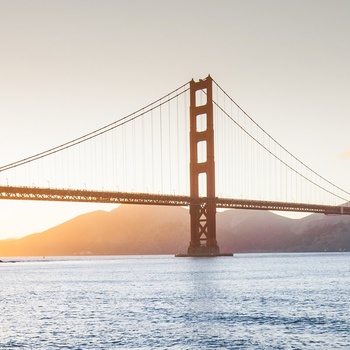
252, 301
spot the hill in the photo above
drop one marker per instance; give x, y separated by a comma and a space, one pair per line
133, 229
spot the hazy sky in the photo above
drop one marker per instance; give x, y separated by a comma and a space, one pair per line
68, 67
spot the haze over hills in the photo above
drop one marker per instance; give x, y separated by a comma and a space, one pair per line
136, 229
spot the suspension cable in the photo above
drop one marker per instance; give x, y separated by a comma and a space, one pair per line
130, 117
274, 140
278, 158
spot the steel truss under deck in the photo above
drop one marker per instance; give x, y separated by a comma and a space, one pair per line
70, 195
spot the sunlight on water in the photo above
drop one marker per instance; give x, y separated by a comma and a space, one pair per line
267, 301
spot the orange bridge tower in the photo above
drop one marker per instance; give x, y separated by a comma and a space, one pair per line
202, 173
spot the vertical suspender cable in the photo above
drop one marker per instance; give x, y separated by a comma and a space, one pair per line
177, 145
169, 141
152, 155
161, 148
143, 153
133, 155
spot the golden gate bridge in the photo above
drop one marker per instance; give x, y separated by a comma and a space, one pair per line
194, 147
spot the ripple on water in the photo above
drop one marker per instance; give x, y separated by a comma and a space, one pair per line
246, 302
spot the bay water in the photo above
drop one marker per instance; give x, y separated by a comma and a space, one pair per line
249, 301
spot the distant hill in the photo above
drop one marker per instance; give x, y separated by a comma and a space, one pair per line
263, 231
134, 229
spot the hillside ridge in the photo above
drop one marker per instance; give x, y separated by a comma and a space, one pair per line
142, 229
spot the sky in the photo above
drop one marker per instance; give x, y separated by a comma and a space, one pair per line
70, 67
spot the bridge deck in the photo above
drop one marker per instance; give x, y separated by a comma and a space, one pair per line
70, 195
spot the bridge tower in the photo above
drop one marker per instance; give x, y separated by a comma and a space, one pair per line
203, 209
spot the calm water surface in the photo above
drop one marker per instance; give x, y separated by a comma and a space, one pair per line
252, 301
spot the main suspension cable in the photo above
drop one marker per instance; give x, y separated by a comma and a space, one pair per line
100, 131
281, 146
278, 158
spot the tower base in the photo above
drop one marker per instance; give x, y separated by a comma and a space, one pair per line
203, 252
182, 255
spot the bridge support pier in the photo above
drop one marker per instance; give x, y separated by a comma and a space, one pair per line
203, 208
203, 230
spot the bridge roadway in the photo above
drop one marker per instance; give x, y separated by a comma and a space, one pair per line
71, 195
